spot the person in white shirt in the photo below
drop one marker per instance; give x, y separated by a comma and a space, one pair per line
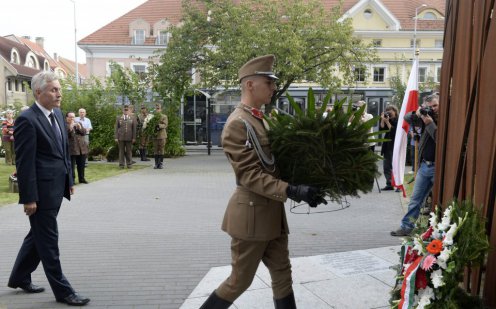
86, 123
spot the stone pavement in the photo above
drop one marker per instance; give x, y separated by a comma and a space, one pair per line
152, 239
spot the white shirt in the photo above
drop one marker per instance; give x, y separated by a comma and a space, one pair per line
47, 113
86, 123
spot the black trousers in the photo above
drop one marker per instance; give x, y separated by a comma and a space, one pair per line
78, 163
41, 244
388, 165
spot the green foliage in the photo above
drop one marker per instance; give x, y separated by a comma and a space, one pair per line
217, 37
99, 104
329, 152
127, 83
152, 125
174, 146
112, 153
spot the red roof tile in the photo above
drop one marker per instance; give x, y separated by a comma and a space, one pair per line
117, 31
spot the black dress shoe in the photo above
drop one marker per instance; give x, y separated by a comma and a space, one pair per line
29, 288
400, 232
74, 300
387, 188
83, 181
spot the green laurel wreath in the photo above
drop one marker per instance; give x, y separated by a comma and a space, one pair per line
330, 152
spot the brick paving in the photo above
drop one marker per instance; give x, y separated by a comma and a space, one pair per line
145, 239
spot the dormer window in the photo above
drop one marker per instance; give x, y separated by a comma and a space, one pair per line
139, 37
162, 38
14, 57
429, 15
31, 62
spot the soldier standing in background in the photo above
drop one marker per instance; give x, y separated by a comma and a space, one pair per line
143, 138
160, 137
125, 136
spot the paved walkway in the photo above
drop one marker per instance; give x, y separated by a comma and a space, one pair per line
152, 239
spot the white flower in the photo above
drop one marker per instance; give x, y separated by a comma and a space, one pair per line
425, 296
417, 246
443, 258
445, 221
448, 239
436, 234
437, 278
433, 220
147, 119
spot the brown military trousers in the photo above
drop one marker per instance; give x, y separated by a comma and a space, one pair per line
246, 255
158, 146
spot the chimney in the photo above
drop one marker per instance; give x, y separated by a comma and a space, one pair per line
55, 57
26, 37
40, 40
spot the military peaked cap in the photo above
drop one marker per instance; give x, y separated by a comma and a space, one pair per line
258, 66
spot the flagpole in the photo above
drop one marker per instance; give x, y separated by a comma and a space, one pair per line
416, 53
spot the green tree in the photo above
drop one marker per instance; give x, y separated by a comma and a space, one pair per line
99, 102
217, 36
128, 83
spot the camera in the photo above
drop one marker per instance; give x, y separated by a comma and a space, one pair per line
427, 111
354, 108
387, 114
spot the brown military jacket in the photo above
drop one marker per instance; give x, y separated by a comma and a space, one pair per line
125, 129
256, 209
162, 127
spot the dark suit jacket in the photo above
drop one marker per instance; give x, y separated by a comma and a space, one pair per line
43, 170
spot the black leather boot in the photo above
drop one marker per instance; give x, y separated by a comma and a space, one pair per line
287, 302
215, 302
156, 162
161, 161
145, 158
141, 154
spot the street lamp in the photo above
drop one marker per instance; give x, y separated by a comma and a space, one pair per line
415, 30
75, 44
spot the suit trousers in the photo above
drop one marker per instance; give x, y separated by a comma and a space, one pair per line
246, 256
78, 162
41, 244
125, 152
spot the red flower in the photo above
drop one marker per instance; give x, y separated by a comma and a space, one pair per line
410, 256
427, 233
435, 246
420, 279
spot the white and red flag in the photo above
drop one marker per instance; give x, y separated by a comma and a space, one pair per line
410, 103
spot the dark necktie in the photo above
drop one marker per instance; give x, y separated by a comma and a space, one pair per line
56, 131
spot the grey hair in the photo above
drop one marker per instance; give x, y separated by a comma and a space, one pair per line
81, 110
41, 79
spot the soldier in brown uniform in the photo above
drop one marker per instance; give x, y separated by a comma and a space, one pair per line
255, 216
125, 136
143, 138
160, 138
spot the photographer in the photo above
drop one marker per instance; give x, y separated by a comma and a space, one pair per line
427, 118
78, 147
389, 121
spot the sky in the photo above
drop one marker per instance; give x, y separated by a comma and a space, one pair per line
54, 21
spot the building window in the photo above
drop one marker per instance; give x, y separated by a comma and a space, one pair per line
31, 62
422, 75
359, 74
139, 37
417, 43
438, 74
438, 44
162, 38
379, 74
16, 85
15, 57
9, 84
367, 13
377, 42
139, 69
429, 15
23, 87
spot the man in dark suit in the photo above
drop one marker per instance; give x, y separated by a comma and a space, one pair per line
44, 177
